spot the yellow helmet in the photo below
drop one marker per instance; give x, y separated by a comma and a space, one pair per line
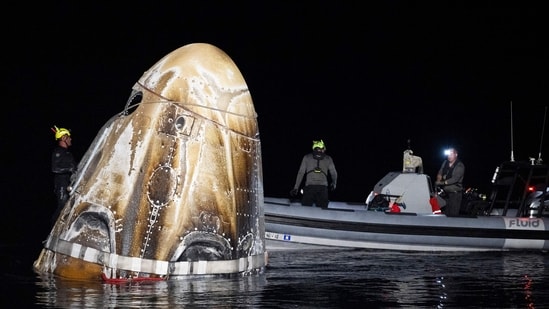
59, 132
318, 144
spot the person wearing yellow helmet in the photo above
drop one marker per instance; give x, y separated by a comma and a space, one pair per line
319, 144
60, 132
63, 165
320, 173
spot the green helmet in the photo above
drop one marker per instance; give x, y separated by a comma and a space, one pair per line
60, 132
318, 144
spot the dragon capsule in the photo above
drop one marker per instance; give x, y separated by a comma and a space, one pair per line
171, 186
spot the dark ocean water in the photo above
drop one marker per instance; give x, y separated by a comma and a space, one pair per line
319, 278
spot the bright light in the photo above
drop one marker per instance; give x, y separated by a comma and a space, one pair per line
446, 152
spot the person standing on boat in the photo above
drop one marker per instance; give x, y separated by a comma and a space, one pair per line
320, 175
450, 179
63, 165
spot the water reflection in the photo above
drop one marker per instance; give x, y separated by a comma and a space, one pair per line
528, 271
205, 291
312, 279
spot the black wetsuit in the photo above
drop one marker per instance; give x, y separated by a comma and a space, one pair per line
62, 167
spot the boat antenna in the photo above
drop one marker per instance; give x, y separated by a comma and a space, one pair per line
540, 161
512, 155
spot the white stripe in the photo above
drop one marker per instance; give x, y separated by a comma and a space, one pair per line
242, 264
90, 255
160, 267
136, 264
181, 269
202, 267
75, 250
113, 260
319, 241
157, 267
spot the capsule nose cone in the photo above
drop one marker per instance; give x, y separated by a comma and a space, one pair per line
205, 80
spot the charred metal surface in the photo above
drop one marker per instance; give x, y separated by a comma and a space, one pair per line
175, 178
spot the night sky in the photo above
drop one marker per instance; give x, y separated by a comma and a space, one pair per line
364, 78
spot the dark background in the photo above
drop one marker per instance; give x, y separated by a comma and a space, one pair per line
364, 78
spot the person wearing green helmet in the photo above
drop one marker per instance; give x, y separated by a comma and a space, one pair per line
320, 174
63, 165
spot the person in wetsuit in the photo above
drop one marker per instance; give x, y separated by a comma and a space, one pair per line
320, 175
63, 165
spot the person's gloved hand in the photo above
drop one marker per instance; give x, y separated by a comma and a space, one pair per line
293, 192
332, 186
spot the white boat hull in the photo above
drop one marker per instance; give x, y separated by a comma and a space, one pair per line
347, 225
